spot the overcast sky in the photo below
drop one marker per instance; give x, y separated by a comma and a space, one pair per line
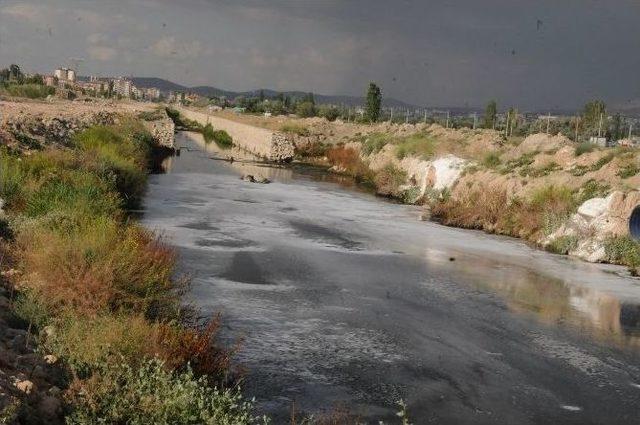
525, 53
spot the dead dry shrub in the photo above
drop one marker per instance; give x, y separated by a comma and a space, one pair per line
348, 160
389, 179
96, 265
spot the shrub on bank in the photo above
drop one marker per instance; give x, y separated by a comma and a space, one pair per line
102, 285
585, 147
420, 145
31, 91
151, 394
347, 160
493, 211
373, 143
221, 137
389, 179
623, 250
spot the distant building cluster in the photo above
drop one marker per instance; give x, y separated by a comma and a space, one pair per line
66, 78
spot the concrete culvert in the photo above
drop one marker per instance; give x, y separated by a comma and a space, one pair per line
634, 223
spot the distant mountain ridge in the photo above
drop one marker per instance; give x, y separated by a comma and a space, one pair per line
166, 86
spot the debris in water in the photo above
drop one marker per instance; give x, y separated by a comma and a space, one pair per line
253, 179
572, 408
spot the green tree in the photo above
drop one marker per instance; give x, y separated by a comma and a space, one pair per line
374, 102
305, 109
14, 72
592, 113
616, 131
490, 114
309, 98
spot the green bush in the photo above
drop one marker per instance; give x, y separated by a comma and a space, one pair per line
389, 179
305, 109
491, 160
12, 176
207, 133
585, 147
592, 189
420, 145
331, 113
563, 245
623, 250
182, 122
149, 394
602, 162
31, 91
628, 170
579, 170
76, 192
222, 138
374, 142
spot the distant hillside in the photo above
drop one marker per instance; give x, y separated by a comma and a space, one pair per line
166, 86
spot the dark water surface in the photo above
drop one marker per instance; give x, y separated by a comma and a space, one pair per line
342, 298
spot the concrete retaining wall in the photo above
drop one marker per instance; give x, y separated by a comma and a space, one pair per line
264, 143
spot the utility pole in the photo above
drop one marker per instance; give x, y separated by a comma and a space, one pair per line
406, 116
475, 119
425, 116
577, 124
447, 119
391, 118
630, 127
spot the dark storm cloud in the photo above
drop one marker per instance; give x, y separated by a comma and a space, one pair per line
544, 53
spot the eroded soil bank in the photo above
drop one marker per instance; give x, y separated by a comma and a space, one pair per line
341, 298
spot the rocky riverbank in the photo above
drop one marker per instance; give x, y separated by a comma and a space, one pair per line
33, 125
566, 198
30, 382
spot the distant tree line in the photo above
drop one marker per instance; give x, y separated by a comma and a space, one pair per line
14, 82
593, 120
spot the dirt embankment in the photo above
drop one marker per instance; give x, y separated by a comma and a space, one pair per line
544, 188
26, 125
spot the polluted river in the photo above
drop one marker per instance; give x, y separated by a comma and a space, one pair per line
339, 298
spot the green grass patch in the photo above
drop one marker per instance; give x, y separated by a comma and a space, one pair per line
295, 128
151, 394
585, 147
491, 160
374, 142
623, 250
420, 145
563, 245
628, 170
31, 91
592, 189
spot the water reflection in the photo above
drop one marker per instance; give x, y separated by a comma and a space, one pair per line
552, 301
246, 163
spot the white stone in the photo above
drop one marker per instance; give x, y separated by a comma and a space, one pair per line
448, 170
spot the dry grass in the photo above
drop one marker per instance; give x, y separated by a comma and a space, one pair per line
347, 160
492, 210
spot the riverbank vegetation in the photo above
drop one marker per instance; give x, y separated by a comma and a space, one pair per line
209, 134
220, 137
14, 83
99, 290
